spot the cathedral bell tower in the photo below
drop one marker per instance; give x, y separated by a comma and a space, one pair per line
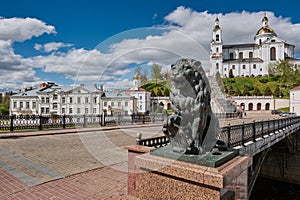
216, 56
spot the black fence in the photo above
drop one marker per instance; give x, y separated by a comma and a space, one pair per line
238, 134
40, 122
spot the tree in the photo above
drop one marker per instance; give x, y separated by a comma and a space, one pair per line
231, 90
159, 93
277, 92
268, 91
230, 75
284, 71
256, 92
246, 92
167, 92
156, 72
238, 92
144, 78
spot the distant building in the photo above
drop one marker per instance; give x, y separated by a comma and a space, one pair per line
58, 100
119, 103
295, 100
160, 103
249, 103
143, 96
249, 59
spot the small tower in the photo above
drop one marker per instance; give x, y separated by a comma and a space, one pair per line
137, 80
265, 32
216, 56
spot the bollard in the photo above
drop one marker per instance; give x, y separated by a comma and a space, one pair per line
139, 138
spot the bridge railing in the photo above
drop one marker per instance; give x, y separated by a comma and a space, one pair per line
39, 122
240, 134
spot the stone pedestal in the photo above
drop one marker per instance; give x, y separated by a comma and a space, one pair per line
162, 178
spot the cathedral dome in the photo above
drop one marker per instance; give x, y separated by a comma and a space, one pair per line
264, 30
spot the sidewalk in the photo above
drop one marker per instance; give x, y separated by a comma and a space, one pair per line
102, 183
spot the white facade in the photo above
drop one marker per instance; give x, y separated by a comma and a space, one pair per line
119, 103
254, 102
295, 100
249, 59
143, 100
58, 100
163, 102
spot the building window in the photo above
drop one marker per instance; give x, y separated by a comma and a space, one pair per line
94, 110
241, 55
261, 69
217, 66
119, 104
71, 100
231, 56
105, 103
47, 99
33, 105
55, 97
86, 111
251, 54
15, 105
126, 104
42, 110
217, 37
70, 110
21, 104
95, 99
141, 107
233, 67
112, 103
27, 105
63, 110
63, 99
78, 110
244, 66
225, 69
43, 99
126, 113
47, 110
141, 97
78, 100
272, 53
217, 49
86, 100
254, 66
55, 106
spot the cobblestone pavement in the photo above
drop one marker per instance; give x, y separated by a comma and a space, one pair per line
86, 165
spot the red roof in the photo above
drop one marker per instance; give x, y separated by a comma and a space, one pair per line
296, 88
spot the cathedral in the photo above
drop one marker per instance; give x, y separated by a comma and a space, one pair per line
249, 59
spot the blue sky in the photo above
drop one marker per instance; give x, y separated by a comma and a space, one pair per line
56, 40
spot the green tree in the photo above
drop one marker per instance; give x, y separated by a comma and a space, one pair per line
256, 92
156, 72
278, 92
246, 92
159, 93
230, 75
167, 92
231, 90
238, 92
284, 71
268, 91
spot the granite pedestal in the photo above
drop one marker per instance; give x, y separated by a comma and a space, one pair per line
163, 178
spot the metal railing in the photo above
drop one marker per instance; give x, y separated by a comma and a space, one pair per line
238, 134
40, 122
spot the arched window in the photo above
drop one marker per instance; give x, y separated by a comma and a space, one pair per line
258, 106
217, 37
230, 56
250, 106
272, 53
267, 106
217, 66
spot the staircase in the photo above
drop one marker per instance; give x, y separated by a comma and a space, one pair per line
220, 103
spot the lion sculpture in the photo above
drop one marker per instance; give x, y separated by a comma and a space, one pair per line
193, 127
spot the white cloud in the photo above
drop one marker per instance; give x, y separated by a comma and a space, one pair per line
21, 29
187, 34
51, 46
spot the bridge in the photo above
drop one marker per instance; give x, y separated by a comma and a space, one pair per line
250, 139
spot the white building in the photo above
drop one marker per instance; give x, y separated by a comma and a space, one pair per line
119, 103
143, 97
249, 59
58, 100
254, 102
295, 100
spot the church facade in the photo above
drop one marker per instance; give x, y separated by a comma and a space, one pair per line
249, 59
